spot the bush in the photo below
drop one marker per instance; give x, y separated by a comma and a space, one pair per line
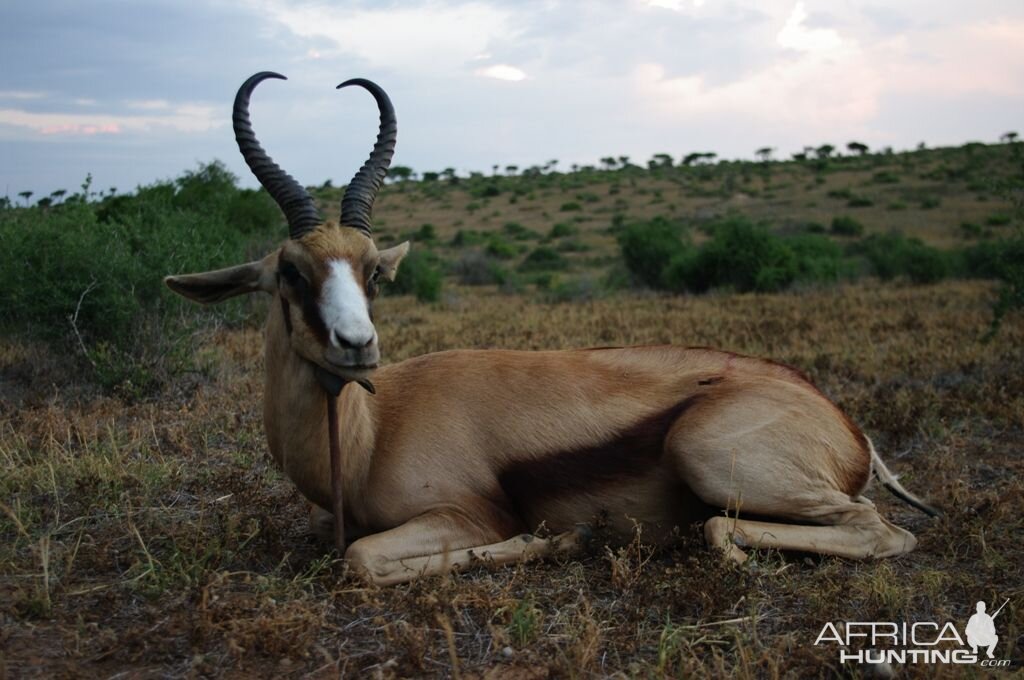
571, 205
466, 237
892, 255
477, 269
740, 255
818, 259
997, 219
648, 247
519, 232
544, 259
562, 229
500, 248
843, 225
860, 202
87, 275
418, 276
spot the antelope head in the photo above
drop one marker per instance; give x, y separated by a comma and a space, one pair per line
326, 275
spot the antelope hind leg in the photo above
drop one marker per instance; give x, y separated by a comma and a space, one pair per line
878, 538
412, 550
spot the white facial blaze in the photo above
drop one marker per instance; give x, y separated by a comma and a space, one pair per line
343, 306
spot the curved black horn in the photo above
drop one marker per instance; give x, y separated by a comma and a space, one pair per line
297, 205
357, 203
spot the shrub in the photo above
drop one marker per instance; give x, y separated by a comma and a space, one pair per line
519, 232
562, 229
477, 269
543, 258
466, 237
860, 202
892, 255
427, 233
997, 219
885, 177
101, 264
843, 225
818, 259
571, 205
740, 255
500, 248
648, 247
418, 276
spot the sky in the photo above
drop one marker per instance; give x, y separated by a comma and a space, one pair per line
138, 91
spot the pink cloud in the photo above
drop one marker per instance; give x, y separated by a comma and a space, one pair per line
77, 129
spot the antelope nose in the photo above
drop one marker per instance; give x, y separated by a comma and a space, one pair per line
362, 341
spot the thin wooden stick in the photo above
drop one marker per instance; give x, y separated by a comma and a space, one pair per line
337, 496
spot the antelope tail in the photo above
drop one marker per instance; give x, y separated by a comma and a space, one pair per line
888, 480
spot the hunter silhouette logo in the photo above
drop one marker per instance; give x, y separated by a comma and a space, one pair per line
925, 642
981, 629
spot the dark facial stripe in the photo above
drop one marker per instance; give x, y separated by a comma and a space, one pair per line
307, 299
626, 455
286, 310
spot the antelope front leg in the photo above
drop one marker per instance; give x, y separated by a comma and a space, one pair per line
438, 542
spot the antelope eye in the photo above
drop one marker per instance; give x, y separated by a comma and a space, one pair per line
290, 272
375, 276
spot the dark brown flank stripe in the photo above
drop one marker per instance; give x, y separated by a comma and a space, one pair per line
629, 454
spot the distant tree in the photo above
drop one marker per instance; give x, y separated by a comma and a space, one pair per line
800, 157
660, 160
825, 150
25, 195
551, 165
431, 176
624, 161
709, 156
44, 202
449, 175
921, 146
58, 194
494, 169
400, 173
328, 184
575, 167
857, 148
608, 162
5, 203
691, 158
764, 154
511, 169
1008, 137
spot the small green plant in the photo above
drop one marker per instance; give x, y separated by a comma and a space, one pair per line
420, 276
997, 220
844, 225
562, 229
544, 258
570, 206
500, 248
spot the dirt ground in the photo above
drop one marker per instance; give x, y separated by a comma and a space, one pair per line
154, 538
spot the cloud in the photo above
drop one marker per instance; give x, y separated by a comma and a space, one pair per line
183, 118
501, 72
427, 37
21, 94
795, 35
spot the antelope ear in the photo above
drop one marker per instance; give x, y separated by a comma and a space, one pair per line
391, 258
219, 285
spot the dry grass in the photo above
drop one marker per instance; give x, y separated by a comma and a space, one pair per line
155, 539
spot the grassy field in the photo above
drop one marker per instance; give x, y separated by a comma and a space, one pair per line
149, 535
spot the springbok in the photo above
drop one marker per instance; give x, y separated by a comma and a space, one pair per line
457, 456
